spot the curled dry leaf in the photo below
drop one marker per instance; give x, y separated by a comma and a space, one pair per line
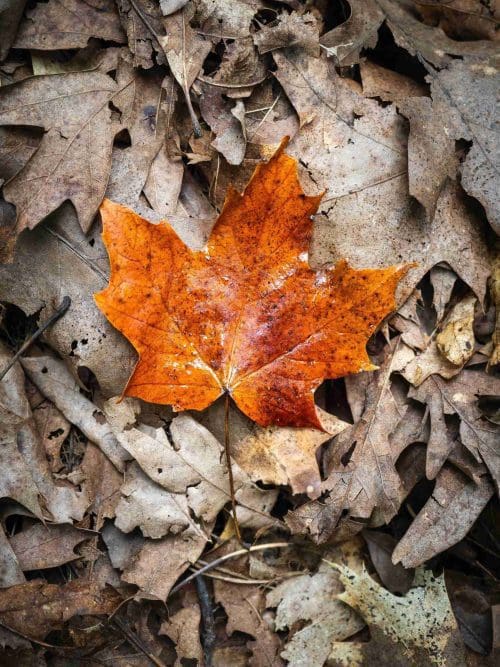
360, 30
247, 314
459, 397
456, 339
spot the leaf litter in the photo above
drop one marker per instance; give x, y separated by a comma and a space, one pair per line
377, 496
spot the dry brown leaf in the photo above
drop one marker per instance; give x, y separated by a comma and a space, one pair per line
55, 260
245, 605
314, 598
459, 397
159, 563
53, 25
43, 546
73, 108
430, 361
462, 107
141, 20
360, 30
51, 424
190, 470
428, 42
102, 484
183, 628
147, 114
10, 571
445, 519
390, 86
370, 479
227, 121
11, 12
229, 19
55, 382
464, 17
495, 295
367, 214
395, 577
276, 455
36, 608
296, 30
431, 152
26, 476
240, 66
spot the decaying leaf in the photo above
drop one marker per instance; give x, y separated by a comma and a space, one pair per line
246, 314
356, 150
314, 599
293, 30
459, 397
53, 26
35, 608
26, 475
463, 107
73, 108
445, 519
40, 547
417, 628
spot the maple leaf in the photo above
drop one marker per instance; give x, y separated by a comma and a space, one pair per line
246, 314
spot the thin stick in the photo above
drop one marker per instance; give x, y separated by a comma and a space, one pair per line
223, 559
230, 470
65, 304
208, 634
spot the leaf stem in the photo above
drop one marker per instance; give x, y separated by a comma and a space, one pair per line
230, 468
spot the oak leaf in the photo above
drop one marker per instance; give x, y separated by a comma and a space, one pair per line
246, 314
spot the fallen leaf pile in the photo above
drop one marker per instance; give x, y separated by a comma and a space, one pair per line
341, 285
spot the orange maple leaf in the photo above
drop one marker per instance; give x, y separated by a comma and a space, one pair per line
246, 314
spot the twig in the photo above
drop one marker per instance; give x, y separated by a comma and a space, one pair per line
230, 469
220, 84
208, 635
35, 641
223, 559
135, 641
65, 304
